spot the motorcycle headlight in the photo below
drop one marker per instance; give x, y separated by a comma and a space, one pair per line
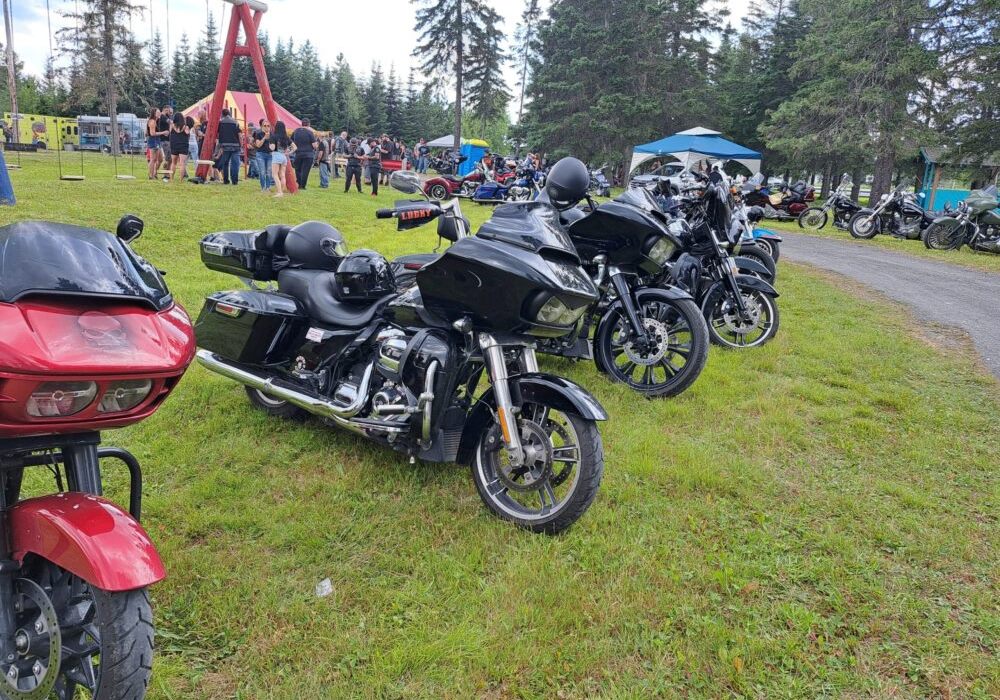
60, 399
661, 250
124, 395
554, 312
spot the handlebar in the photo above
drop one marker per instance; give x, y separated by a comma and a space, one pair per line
385, 213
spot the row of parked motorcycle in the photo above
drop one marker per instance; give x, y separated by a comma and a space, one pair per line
975, 222
432, 355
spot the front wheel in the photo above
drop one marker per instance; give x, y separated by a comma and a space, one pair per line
813, 218
864, 225
727, 327
74, 640
675, 351
944, 234
757, 252
560, 475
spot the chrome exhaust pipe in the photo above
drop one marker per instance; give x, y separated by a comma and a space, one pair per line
316, 405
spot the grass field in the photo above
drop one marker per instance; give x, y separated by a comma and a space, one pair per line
816, 518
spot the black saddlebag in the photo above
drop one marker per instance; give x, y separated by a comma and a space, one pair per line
251, 326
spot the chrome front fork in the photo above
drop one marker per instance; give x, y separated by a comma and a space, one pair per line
496, 365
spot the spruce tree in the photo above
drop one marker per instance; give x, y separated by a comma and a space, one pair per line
374, 97
487, 90
448, 31
157, 69
393, 104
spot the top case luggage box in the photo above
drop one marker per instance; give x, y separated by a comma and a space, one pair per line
240, 253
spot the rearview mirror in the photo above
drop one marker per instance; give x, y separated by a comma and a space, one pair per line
129, 228
405, 182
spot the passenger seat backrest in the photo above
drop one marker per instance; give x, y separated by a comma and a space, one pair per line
274, 238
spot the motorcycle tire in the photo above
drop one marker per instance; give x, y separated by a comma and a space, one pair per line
438, 192
757, 252
272, 406
673, 318
502, 491
111, 634
862, 231
944, 234
722, 327
772, 248
813, 219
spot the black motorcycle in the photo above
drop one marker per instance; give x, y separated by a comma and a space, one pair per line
975, 224
839, 203
740, 309
650, 337
337, 340
600, 186
897, 214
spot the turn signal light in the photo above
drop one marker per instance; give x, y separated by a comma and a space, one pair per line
56, 399
124, 395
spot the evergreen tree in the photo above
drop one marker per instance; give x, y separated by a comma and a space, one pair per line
487, 90
100, 35
393, 104
184, 91
348, 110
205, 65
411, 129
157, 69
374, 96
526, 49
448, 31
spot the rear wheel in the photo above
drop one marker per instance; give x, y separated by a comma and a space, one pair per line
813, 218
74, 640
438, 192
273, 406
944, 234
560, 476
728, 328
674, 356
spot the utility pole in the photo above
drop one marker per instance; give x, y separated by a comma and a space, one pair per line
8, 21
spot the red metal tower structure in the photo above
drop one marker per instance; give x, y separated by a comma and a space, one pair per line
241, 17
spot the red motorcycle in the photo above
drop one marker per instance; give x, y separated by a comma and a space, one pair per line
91, 339
445, 186
782, 202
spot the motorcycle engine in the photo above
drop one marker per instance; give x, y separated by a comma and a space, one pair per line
518, 192
402, 363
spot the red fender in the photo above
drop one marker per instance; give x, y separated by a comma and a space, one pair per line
88, 536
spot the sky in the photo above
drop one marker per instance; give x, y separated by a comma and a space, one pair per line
333, 26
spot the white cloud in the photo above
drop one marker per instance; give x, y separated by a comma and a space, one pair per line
379, 30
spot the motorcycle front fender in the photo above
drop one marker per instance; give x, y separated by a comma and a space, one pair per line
720, 287
88, 536
751, 265
766, 233
536, 387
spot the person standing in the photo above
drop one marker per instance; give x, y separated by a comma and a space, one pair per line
163, 130
422, 151
340, 146
279, 145
153, 142
323, 157
178, 141
229, 140
261, 141
305, 144
374, 164
192, 144
353, 170
385, 153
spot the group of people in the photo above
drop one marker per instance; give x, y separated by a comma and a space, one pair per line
172, 140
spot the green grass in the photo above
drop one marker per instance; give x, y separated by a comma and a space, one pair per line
965, 257
816, 518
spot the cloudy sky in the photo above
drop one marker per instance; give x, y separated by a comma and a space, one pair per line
365, 31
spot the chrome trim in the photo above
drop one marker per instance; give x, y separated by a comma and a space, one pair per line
427, 398
497, 367
529, 360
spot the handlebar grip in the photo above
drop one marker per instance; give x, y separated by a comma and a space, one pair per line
385, 213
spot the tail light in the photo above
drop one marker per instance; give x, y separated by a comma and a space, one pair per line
55, 399
124, 395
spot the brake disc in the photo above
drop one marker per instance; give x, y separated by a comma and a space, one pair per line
537, 467
659, 344
736, 324
33, 671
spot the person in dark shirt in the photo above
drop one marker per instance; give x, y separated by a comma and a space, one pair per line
304, 142
163, 131
423, 150
279, 144
229, 141
385, 153
715, 177
323, 158
355, 154
260, 140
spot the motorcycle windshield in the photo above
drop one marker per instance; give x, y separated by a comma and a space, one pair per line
41, 257
639, 197
533, 226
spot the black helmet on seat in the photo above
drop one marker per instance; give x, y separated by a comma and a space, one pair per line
755, 214
364, 275
567, 182
315, 245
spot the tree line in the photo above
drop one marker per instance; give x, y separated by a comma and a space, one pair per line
815, 85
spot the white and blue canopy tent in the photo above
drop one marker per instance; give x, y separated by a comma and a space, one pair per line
695, 145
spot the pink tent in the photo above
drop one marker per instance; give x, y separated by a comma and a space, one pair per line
246, 107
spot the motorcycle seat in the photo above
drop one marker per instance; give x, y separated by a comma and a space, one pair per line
315, 289
415, 261
452, 178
